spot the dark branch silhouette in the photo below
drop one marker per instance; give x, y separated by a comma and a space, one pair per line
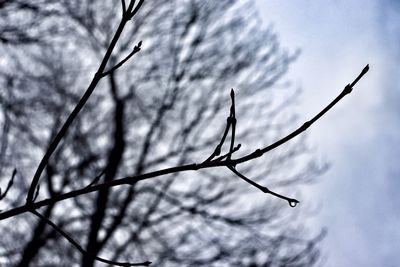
162, 110
10, 183
83, 251
190, 167
130, 12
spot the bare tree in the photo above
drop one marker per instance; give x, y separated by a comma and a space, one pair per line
141, 114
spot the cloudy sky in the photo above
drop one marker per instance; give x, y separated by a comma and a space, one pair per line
361, 136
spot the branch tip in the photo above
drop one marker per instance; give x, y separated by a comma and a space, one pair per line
366, 69
137, 47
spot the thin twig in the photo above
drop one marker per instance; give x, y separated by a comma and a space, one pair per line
123, 7
233, 123
217, 150
292, 202
97, 178
10, 183
134, 51
133, 13
306, 125
36, 193
81, 249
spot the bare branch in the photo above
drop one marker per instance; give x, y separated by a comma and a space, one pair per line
76, 155
60, 135
292, 202
229, 121
133, 13
36, 193
217, 150
233, 123
97, 178
80, 249
306, 125
189, 167
134, 51
123, 7
10, 183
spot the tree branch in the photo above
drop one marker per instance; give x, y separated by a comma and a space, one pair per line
134, 51
97, 77
292, 202
229, 120
182, 168
10, 183
123, 7
133, 13
306, 125
80, 249
233, 123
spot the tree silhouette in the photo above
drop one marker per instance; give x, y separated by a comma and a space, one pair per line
148, 106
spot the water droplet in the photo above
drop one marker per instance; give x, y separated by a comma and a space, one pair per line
293, 203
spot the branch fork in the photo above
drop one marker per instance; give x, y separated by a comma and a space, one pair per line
230, 164
231, 125
214, 160
136, 49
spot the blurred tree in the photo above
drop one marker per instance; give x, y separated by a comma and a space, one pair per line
166, 106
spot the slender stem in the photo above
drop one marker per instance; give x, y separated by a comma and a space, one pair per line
10, 183
229, 123
133, 13
123, 7
81, 249
62, 132
134, 51
217, 150
292, 202
233, 119
306, 125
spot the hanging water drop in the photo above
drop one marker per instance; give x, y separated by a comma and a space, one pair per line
293, 203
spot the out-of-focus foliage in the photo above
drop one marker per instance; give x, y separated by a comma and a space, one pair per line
166, 106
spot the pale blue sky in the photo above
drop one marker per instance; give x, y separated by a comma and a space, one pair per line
361, 136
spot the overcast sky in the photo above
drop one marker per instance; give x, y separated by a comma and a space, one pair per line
360, 194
